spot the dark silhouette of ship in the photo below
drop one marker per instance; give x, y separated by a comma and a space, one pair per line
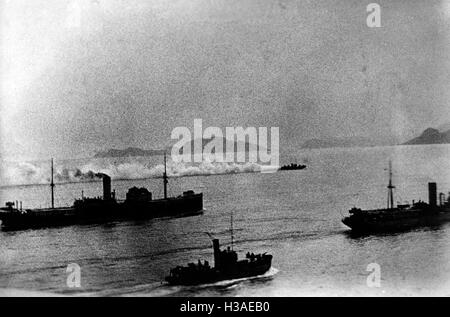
226, 267
401, 217
292, 167
137, 205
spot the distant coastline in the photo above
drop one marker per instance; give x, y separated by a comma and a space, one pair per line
345, 142
428, 136
440, 135
130, 151
136, 151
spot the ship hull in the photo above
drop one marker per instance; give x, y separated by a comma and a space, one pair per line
171, 207
364, 226
102, 212
38, 218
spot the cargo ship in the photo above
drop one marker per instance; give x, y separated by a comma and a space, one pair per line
137, 205
226, 267
403, 216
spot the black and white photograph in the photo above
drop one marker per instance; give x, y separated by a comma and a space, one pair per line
225, 149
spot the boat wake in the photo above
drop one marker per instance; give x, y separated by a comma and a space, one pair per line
163, 289
156, 289
269, 274
13, 292
229, 284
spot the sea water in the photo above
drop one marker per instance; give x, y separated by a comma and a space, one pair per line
293, 215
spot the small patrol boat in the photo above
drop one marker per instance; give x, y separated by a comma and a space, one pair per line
226, 267
292, 167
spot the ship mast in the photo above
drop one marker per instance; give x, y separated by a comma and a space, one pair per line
231, 231
390, 203
52, 187
165, 176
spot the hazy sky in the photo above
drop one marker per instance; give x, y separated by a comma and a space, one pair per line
81, 76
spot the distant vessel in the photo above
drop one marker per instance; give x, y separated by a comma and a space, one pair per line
401, 217
137, 205
226, 267
292, 166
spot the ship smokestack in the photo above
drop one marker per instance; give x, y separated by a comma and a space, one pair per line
106, 187
432, 194
216, 248
441, 199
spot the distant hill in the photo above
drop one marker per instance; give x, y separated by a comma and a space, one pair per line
343, 142
135, 151
431, 136
131, 151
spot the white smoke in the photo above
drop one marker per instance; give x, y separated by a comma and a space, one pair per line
30, 173
22, 173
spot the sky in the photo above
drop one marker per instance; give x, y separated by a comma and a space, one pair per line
80, 76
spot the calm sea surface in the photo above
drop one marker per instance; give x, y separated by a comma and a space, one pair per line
294, 215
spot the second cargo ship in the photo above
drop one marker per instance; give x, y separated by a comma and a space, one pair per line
137, 205
400, 217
